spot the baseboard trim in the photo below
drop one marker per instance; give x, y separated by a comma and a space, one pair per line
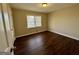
30, 34
65, 35
8, 49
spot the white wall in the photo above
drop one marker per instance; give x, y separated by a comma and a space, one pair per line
65, 21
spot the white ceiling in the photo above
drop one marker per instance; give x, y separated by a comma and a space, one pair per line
38, 7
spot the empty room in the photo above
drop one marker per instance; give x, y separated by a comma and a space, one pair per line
39, 28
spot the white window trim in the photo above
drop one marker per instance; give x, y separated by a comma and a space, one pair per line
34, 22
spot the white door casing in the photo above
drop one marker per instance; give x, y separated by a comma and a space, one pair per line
3, 41
8, 24
11, 23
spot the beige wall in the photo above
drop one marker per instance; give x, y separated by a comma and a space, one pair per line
20, 22
65, 21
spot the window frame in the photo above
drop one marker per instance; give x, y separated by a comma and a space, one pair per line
34, 22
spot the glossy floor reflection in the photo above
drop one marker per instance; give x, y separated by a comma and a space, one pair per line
46, 43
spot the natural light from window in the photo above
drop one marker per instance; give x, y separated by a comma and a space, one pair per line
33, 21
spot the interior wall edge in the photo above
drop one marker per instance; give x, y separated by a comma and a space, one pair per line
27, 10
30, 34
66, 35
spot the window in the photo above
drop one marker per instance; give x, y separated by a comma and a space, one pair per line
33, 21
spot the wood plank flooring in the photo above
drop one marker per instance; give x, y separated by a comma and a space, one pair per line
46, 43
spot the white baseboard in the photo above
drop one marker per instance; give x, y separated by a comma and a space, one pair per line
29, 34
65, 35
7, 49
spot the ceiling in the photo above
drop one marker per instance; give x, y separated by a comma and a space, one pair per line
38, 7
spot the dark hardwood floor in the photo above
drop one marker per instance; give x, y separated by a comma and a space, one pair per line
46, 43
